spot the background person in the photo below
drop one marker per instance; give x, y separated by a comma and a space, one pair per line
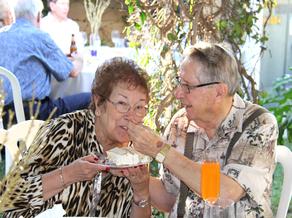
6, 13
60, 165
213, 112
33, 57
60, 27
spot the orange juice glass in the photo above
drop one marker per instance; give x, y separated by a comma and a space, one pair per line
210, 180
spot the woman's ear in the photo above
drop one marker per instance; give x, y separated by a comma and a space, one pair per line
97, 107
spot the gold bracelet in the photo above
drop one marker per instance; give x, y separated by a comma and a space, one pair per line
62, 178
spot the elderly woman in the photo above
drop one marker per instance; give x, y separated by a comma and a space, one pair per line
215, 121
61, 163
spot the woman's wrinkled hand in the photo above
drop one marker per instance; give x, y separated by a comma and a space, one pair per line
83, 169
139, 178
144, 139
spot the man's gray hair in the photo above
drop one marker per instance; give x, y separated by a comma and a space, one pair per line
218, 64
28, 9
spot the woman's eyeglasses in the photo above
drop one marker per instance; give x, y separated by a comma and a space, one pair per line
187, 88
123, 107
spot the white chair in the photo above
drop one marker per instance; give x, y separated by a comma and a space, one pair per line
24, 131
16, 92
284, 157
18, 106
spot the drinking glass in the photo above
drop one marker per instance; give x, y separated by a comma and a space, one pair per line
222, 208
210, 178
84, 38
117, 39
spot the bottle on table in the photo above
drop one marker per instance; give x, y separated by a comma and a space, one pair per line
73, 47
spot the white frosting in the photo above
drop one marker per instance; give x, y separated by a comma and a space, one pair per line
127, 156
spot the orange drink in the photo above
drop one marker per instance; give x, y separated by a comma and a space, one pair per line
210, 180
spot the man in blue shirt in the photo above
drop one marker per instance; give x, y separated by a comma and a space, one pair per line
33, 57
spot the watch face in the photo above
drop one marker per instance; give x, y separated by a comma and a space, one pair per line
143, 203
160, 157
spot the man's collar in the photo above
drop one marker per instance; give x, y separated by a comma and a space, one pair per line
234, 119
5, 28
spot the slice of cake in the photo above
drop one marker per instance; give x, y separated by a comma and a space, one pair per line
126, 156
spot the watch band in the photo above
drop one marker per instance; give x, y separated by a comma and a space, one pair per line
162, 153
142, 203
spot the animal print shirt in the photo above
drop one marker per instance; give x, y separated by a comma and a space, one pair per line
58, 143
251, 163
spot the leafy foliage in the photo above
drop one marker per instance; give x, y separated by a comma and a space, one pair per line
166, 27
279, 102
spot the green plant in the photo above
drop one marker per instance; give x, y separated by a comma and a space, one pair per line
165, 28
279, 102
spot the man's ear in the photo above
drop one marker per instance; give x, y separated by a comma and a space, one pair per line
221, 90
38, 20
51, 5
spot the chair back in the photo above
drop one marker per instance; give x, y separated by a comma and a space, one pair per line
26, 131
21, 132
284, 157
16, 92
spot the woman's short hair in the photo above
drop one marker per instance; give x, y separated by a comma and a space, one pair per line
114, 71
218, 64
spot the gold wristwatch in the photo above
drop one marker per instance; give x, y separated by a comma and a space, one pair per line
162, 153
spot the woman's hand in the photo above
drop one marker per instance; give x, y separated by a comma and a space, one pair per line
82, 169
144, 139
139, 178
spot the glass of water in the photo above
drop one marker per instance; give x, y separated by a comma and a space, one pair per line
117, 39
84, 38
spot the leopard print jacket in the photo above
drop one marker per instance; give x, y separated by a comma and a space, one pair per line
58, 143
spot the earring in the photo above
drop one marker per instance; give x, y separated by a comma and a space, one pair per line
97, 112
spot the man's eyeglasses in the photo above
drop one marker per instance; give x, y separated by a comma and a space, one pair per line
187, 88
123, 107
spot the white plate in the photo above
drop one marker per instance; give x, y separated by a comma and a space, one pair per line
114, 166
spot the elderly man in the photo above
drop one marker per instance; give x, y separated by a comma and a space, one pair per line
57, 22
215, 121
33, 57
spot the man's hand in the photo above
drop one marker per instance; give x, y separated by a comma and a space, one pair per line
77, 61
144, 139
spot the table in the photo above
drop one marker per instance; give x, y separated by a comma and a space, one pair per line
83, 82
72, 86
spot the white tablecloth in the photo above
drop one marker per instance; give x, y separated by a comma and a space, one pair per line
72, 86
83, 82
